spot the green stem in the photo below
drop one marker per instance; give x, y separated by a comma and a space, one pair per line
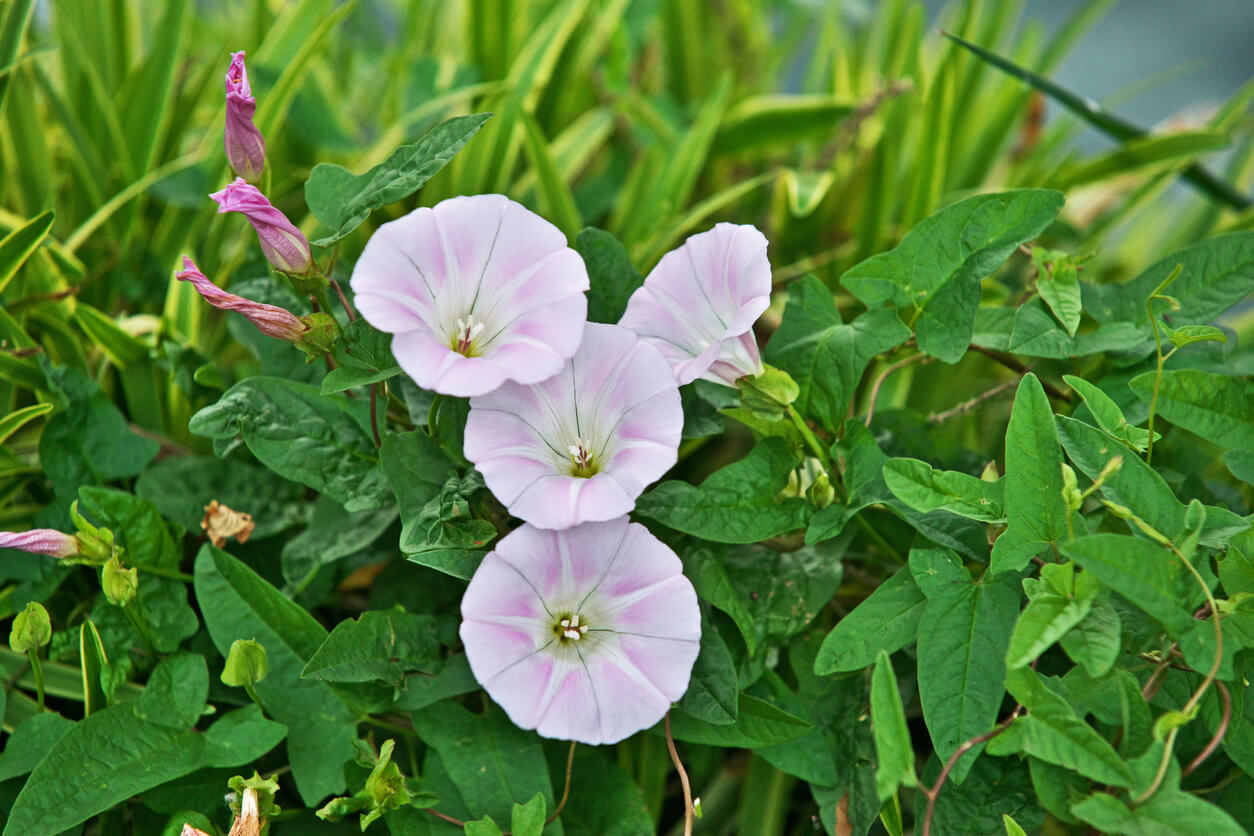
1206, 682
163, 572
810, 439
141, 626
251, 690
38, 670
878, 539
393, 727
1158, 378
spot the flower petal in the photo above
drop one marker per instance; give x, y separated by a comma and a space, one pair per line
483, 279
616, 396
701, 295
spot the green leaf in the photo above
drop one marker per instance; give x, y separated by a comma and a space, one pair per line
892, 736
1215, 275
238, 604
1138, 486
528, 819
1036, 334
1052, 732
610, 803
332, 534
758, 724
784, 591
735, 504
377, 646
322, 441
1236, 571
89, 442
343, 201
30, 742
485, 826
925, 489
937, 268
1166, 813
756, 122
1144, 572
963, 635
22, 242
492, 763
1062, 601
1095, 643
1189, 334
1012, 827
713, 688
181, 487
704, 566
1215, 406
128, 748
1035, 513
1058, 283
995, 787
825, 356
610, 274
1108, 414
885, 621
363, 355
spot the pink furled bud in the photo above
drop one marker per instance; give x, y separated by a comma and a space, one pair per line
245, 146
281, 241
40, 541
270, 320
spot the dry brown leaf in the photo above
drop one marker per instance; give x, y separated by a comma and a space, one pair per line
221, 522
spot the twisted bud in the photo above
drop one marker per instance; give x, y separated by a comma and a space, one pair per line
313, 334
245, 146
284, 246
40, 541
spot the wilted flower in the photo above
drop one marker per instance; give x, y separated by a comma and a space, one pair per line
245, 146
222, 522
270, 320
188, 830
477, 291
40, 541
585, 634
281, 241
699, 303
585, 443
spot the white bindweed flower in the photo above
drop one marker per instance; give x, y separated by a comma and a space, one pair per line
585, 634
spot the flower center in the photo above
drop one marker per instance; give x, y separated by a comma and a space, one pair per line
463, 341
568, 629
583, 464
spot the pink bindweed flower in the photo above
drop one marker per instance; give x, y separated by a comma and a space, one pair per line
40, 541
699, 303
585, 443
281, 241
585, 634
245, 146
477, 291
270, 320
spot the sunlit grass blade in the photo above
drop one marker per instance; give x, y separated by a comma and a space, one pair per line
1136, 154
18, 245
556, 201
14, 421
15, 21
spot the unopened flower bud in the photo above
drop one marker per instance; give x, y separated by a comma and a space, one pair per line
281, 241
95, 545
40, 541
245, 664
253, 798
821, 492
120, 585
31, 629
245, 146
768, 393
270, 320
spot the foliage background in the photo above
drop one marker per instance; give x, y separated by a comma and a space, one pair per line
833, 133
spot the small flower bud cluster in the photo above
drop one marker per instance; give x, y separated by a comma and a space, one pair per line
284, 246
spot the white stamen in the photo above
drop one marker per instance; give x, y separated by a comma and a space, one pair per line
476, 330
572, 629
574, 450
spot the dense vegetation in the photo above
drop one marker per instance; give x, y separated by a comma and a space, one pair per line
971, 549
